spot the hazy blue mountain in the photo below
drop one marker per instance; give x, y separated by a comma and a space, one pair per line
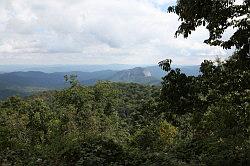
190, 70
64, 68
47, 80
25, 83
32, 79
157, 72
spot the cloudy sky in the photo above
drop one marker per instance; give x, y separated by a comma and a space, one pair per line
96, 32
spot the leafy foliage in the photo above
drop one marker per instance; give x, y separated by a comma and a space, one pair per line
189, 120
203, 120
217, 16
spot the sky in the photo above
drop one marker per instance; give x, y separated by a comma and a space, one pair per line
97, 32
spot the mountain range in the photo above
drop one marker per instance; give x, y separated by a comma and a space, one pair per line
24, 83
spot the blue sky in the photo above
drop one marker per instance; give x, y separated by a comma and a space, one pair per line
97, 32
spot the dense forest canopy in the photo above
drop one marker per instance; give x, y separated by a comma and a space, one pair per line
188, 120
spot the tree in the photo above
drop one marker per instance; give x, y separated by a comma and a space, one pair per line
179, 93
217, 16
211, 111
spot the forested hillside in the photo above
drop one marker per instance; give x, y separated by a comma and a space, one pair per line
188, 120
191, 120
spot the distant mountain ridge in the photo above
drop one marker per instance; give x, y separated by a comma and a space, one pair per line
157, 72
64, 68
25, 83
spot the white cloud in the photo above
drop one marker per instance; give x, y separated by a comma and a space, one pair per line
96, 31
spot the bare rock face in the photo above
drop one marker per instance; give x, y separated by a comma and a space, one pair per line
140, 72
147, 73
138, 75
132, 73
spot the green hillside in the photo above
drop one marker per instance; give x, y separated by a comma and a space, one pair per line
189, 120
138, 116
